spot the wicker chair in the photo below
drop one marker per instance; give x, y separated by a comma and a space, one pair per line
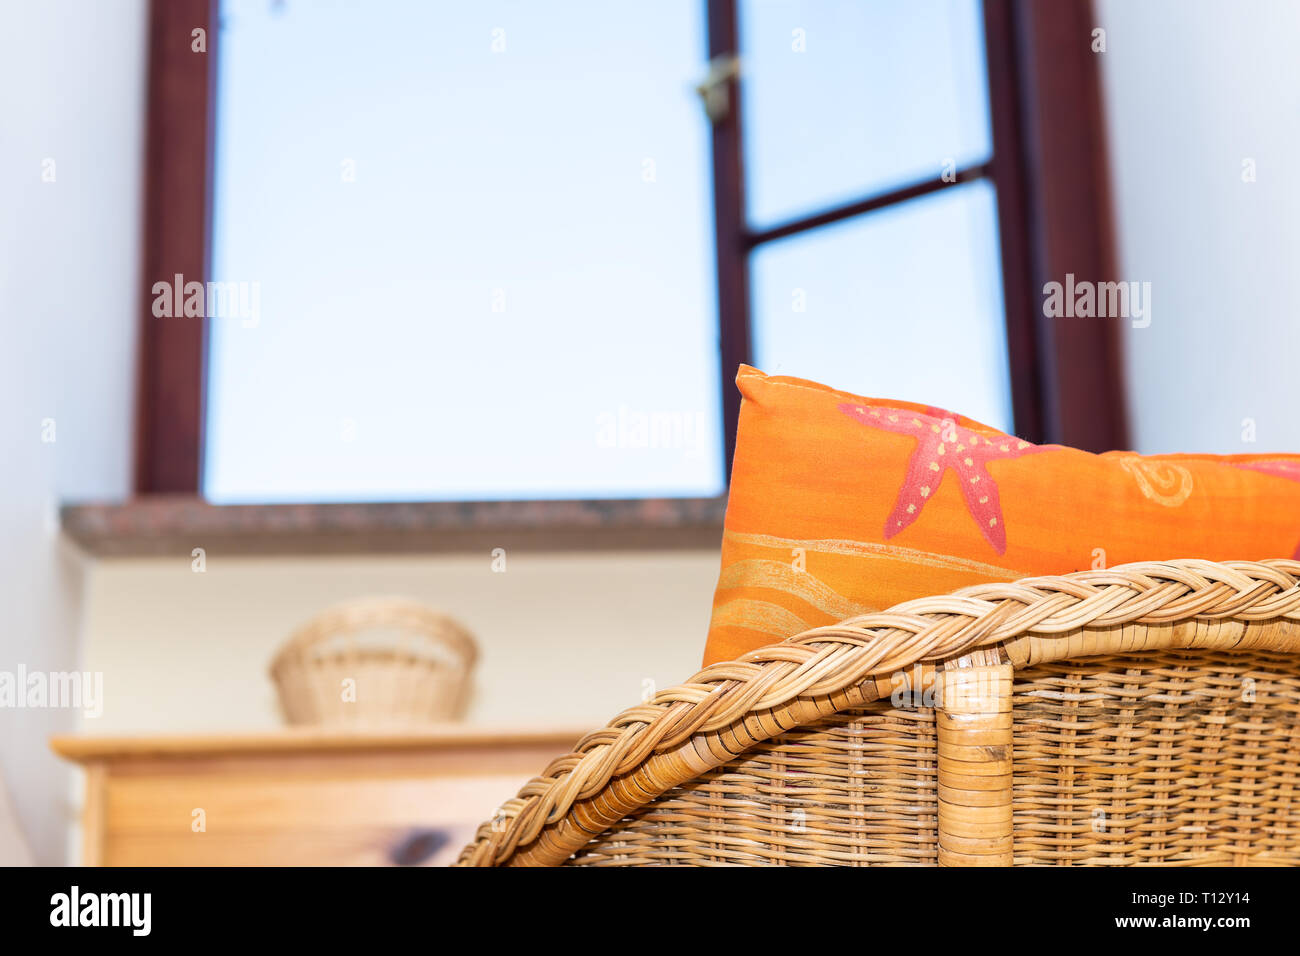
1147, 714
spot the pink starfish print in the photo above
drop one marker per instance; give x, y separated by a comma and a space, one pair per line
1279, 468
942, 444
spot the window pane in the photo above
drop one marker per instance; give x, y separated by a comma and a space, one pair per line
482, 246
846, 99
905, 303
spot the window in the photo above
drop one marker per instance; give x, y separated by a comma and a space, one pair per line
483, 250
845, 99
903, 303
501, 253
845, 102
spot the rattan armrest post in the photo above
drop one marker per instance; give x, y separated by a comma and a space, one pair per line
973, 730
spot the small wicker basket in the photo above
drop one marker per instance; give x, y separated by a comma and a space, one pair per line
406, 664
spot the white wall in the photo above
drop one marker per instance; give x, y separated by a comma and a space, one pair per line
564, 639
71, 90
1193, 88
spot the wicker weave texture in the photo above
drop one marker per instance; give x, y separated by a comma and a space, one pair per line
1180, 758
856, 789
1169, 758
376, 662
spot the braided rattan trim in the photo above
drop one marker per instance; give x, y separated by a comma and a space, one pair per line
728, 707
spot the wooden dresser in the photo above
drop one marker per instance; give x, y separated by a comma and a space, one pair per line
299, 797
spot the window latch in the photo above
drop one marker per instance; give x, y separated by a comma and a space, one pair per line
715, 88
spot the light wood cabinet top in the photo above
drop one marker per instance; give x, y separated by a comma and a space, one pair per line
301, 796
82, 748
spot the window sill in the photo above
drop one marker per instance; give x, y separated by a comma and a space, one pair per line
175, 525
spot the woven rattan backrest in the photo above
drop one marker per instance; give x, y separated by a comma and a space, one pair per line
856, 789
1146, 714
1169, 757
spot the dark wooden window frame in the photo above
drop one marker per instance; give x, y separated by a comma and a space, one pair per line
1048, 168
171, 383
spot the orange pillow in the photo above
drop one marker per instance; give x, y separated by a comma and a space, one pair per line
841, 505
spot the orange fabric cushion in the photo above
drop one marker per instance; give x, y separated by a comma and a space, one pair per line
842, 504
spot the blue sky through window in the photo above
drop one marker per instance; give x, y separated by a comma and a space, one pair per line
480, 237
